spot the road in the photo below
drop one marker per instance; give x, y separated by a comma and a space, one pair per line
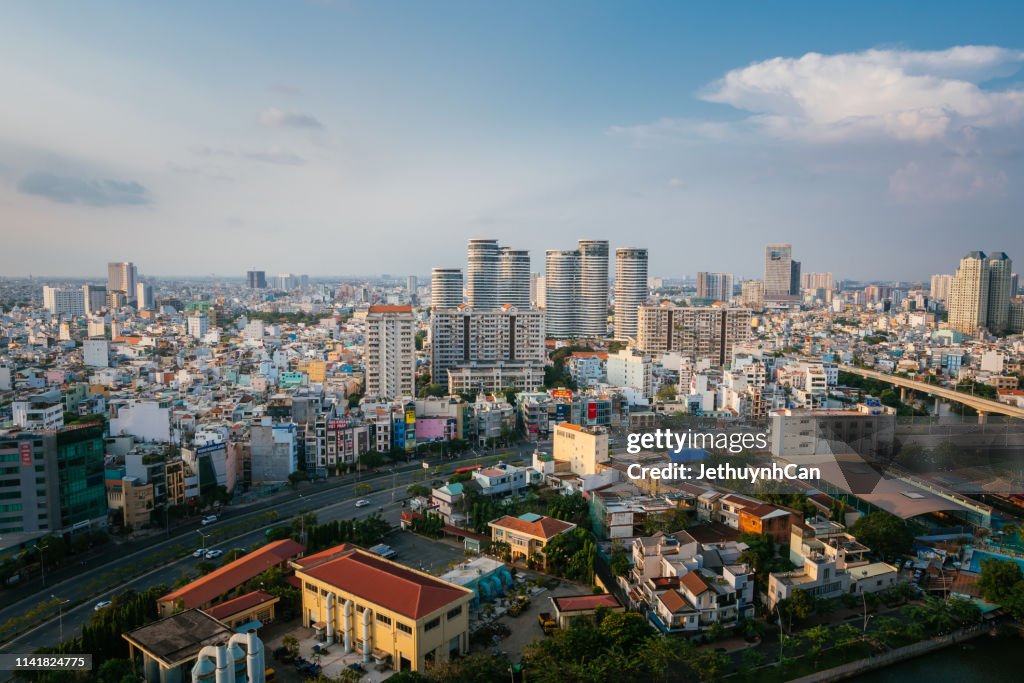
329, 503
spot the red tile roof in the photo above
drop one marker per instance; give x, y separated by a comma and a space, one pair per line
545, 527
573, 603
387, 584
206, 589
316, 558
381, 308
693, 583
674, 601
240, 604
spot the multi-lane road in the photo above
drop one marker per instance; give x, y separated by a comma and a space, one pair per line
328, 503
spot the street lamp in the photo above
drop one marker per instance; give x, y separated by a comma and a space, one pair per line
203, 537
60, 615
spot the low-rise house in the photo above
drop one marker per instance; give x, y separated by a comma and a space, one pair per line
570, 609
527, 534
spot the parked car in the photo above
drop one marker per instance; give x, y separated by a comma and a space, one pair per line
362, 502
199, 552
101, 605
213, 554
209, 519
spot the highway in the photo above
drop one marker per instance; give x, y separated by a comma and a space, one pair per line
982, 405
328, 502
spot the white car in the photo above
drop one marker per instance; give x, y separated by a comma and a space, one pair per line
213, 554
209, 519
362, 502
101, 605
199, 552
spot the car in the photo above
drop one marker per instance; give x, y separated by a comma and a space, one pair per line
199, 552
101, 605
362, 502
209, 519
213, 554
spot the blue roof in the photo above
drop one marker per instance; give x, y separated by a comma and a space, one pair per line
530, 517
688, 454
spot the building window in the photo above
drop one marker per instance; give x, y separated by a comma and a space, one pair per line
384, 619
455, 613
432, 624
404, 628
310, 587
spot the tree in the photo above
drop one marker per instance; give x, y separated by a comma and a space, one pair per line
419, 490
438, 390
886, 534
295, 477
999, 579
620, 563
799, 605
667, 522
667, 392
291, 644
476, 668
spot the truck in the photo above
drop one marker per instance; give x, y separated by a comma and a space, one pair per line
547, 623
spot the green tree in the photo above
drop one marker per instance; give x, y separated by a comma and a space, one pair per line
619, 563
667, 392
886, 534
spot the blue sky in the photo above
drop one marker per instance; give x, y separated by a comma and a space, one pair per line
363, 137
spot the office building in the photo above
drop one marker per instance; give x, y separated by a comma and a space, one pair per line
514, 278
121, 277
593, 289
445, 288
482, 274
256, 279
144, 298
467, 337
941, 286
968, 300
781, 273
561, 293
64, 300
390, 352
708, 332
630, 289
1000, 275
95, 298
411, 285
714, 286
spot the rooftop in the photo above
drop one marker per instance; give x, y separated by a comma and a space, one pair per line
179, 638
579, 603
538, 526
240, 604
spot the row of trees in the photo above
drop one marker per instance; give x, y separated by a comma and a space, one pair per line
365, 532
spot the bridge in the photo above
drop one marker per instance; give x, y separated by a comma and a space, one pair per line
984, 406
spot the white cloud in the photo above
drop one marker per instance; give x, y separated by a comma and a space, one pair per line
676, 182
960, 179
289, 119
892, 94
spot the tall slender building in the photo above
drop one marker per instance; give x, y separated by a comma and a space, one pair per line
445, 288
390, 352
593, 296
752, 294
514, 277
256, 279
778, 270
144, 299
940, 287
630, 289
714, 286
561, 292
1000, 275
794, 278
482, 274
121, 277
968, 300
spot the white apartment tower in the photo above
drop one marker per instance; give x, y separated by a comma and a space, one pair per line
514, 277
482, 273
561, 292
968, 300
64, 300
466, 336
630, 289
593, 294
941, 287
390, 352
699, 333
445, 288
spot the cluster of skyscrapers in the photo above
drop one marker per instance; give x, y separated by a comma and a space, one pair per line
123, 287
979, 294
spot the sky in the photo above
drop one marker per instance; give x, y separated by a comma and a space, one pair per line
345, 137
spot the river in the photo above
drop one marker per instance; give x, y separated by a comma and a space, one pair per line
982, 660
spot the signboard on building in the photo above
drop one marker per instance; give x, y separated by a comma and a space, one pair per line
565, 394
25, 450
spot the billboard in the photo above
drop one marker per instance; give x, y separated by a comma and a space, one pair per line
565, 394
25, 451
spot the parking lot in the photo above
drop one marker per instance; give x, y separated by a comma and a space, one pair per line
424, 554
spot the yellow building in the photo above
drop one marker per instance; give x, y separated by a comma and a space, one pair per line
383, 609
316, 370
527, 534
582, 447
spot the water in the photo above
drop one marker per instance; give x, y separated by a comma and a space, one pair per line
982, 660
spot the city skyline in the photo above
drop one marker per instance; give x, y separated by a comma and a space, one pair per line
352, 133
